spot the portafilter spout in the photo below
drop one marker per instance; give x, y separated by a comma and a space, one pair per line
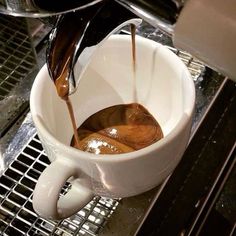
77, 35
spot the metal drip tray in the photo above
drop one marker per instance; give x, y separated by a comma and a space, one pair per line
17, 216
16, 54
17, 63
24, 160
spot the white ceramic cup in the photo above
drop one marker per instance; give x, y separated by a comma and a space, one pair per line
164, 86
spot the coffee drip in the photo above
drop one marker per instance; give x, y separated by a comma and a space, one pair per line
133, 30
63, 50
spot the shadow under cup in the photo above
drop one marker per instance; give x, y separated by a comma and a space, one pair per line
163, 85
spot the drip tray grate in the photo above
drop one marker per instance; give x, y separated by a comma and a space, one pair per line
16, 54
17, 65
17, 216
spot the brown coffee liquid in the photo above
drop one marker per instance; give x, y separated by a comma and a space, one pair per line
118, 129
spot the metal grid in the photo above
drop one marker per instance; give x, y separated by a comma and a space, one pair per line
16, 54
17, 216
195, 67
18, 67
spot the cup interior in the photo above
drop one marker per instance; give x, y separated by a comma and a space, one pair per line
162, 82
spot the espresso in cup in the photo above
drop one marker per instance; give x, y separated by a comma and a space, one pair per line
118, 129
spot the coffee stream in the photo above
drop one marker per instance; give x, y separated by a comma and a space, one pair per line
132, 30
62, 86
117, 129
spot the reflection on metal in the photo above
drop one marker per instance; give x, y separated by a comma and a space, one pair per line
16, 54
17, 62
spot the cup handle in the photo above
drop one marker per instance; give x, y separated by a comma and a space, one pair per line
46, 201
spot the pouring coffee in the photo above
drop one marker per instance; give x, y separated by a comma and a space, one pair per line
61, 57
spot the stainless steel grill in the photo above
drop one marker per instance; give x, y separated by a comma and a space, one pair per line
16, 54
195, 66
17, 63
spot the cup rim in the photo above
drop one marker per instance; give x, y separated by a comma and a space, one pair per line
180, 126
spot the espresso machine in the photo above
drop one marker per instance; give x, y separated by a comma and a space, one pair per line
198, 198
